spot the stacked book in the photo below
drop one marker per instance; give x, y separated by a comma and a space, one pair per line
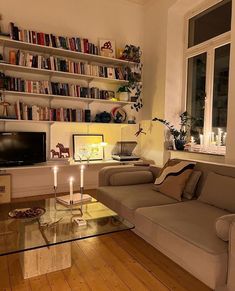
40, 113
55, 88
30, 60
76, 44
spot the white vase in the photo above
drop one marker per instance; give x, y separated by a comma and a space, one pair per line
123, 96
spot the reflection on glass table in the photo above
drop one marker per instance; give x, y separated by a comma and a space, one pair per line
54, 227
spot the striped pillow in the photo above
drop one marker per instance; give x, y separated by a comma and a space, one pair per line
172, 179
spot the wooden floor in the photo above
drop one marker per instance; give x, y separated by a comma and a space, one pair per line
120, 261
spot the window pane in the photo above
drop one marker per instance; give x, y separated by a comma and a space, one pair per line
210, 23
196, 91
220, 93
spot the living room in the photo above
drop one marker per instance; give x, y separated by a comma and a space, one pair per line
116, 145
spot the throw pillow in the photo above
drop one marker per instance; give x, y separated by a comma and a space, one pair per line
219, 191
222, 226
173, 177
191, 185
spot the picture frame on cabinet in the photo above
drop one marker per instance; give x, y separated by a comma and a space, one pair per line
88, 147
107, 48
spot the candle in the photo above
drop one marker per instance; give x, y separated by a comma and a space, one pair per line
82, 176
212, 137
71, 189
55, 171
219, 136
201, 139
224, 139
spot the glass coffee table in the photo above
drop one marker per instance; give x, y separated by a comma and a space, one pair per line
44, 243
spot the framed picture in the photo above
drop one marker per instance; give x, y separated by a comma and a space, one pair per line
88, 147
107, 48
5, 188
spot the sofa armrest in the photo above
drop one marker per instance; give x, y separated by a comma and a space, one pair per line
106, 173
231, 258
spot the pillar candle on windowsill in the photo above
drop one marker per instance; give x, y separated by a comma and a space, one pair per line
71, 189
201, 139
224, 138
55, 171
219, 136
212, 137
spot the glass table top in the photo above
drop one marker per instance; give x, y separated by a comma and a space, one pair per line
55, 227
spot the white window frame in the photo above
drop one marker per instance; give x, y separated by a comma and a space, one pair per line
208, 47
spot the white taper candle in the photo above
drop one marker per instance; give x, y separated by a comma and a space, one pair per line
82, 176
55, 171
71, 188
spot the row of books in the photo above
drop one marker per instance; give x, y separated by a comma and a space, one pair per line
55, 88
24, 111
30, 60
69, 43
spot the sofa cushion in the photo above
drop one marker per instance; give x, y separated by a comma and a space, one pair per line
185, 232
126, 199
131, 178
219, 191
173, 177
222, 226
191, 185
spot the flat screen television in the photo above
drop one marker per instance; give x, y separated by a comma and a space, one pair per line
22, 148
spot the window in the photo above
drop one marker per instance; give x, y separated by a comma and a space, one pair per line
207, 59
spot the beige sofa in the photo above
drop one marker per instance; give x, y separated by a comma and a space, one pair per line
184, 231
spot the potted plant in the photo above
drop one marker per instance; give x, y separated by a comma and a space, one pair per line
124, 93
179, 135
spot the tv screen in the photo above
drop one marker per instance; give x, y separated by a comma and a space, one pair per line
22, 148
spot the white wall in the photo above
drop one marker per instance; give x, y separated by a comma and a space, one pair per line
230, 155
155, 41
120, 20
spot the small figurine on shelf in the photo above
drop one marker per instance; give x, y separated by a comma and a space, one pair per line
63, 152
54, 154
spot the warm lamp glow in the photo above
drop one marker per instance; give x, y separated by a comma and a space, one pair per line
103, 144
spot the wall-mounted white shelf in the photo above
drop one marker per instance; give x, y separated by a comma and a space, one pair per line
62, 122
49, 165
7, 42
60, 97
15, 68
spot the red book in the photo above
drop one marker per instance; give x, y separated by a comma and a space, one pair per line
42, 38
86, 45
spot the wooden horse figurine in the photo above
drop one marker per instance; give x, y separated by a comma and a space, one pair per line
64, 152
55, 154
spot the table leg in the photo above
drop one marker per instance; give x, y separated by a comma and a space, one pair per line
45, 260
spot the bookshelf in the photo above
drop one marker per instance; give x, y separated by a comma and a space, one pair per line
56, 76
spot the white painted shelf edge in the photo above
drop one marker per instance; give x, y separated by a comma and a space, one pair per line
72, 98
90, 78
7, 42
72, 164
64, 122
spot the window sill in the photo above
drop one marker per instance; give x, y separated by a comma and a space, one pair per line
198, 153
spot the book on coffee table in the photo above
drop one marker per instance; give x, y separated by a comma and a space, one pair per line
77, 199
